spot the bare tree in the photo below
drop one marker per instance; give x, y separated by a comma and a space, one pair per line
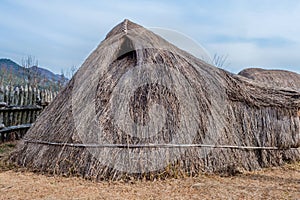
61, 80
220, 60
36, 75
71, 71
11, 77
3, 73
27, 63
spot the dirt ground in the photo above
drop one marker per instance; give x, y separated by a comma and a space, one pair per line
273, 183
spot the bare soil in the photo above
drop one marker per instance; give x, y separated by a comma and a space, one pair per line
272, 183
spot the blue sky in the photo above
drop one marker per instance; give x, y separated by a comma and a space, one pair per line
61, 34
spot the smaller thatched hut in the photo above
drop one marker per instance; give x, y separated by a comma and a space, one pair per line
280, 78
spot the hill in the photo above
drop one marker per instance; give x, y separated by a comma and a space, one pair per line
14, 74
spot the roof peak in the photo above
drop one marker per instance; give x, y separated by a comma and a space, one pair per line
123, 27
125, 24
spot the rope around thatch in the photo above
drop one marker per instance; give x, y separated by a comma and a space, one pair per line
131, 146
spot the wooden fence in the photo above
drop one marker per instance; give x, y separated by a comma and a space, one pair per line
19, 108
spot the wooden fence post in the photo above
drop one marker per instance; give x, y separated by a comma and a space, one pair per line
1, 100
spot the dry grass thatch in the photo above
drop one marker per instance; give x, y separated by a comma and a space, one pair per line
137, 89
280, 78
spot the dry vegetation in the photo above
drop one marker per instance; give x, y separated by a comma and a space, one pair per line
272, 183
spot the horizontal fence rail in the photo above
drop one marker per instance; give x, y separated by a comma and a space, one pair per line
19, 108
15, 128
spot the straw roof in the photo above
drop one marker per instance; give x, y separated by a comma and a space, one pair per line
280, 78
140, 107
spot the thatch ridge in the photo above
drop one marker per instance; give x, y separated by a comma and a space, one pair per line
202, 105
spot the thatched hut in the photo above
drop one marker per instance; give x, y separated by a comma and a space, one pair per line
140, 107
273, 77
